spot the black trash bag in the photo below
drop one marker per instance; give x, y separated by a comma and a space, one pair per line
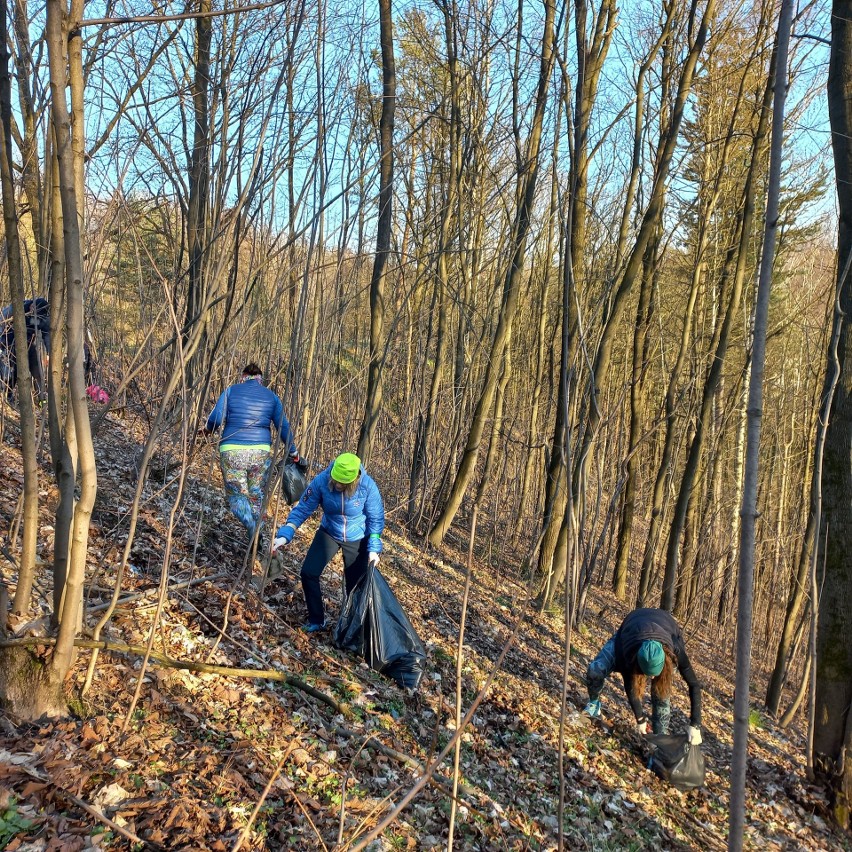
374, 626
676, 761
294, 480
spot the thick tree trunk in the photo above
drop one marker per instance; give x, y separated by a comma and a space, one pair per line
832, 746
70, 167
197, 232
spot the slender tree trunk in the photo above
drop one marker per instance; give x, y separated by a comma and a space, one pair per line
511, 291
650, 223
637, 416
735, 272
448, 211
745, 587
558, 502
63, 436
373, 408
26, 567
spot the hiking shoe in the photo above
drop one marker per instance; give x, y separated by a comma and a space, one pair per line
313, 628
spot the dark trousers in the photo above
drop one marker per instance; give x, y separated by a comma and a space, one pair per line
322, 550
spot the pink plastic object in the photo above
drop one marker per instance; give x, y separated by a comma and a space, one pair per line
97, 394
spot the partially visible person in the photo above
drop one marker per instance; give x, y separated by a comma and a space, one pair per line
249, 414
648, 644
37, 321
352, 522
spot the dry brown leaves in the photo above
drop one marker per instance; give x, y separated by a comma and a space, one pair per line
199, 751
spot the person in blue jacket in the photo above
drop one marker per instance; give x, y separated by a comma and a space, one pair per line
353, 521
648, 644
248, 414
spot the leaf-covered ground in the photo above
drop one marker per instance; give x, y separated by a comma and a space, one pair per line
200, 756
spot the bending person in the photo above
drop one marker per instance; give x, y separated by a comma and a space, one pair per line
649, 644
353, 520
248, 414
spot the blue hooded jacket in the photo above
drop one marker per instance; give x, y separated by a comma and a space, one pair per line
344, 518
247, 411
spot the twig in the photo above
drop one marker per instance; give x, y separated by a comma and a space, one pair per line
113, 826
171, 663
244, 833
173, 587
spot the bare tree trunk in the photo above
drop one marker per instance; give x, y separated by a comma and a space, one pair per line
558, 501
197, 231
448, 209
735, 271
69, 168
637, 415
650, 223
26, 567
373, 408
832, 738
63, 435
31, 178
745, 582
511, 290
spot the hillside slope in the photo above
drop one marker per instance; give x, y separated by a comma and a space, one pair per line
331, 751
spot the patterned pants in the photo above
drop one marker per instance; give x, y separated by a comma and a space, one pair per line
245, 473
600, 669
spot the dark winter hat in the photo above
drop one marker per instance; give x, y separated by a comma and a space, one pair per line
651, 657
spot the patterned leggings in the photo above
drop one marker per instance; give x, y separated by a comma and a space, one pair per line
600, 669
245, 473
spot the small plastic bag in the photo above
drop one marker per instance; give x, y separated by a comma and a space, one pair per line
294, 480
676, 761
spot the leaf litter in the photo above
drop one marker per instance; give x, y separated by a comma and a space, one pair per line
201, 749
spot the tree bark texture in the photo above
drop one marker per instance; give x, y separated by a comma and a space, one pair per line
26, 567
832, 748
373, 408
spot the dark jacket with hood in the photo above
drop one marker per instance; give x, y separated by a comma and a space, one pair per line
655, 624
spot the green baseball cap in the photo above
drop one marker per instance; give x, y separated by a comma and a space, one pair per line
346, 468
651, 657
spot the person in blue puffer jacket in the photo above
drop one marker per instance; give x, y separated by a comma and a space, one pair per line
353, 521
248, 414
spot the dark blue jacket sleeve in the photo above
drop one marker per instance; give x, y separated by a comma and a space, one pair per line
217, 416
283, 426
307, 504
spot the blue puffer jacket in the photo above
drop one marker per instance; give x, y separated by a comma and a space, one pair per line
248, 411
343, 518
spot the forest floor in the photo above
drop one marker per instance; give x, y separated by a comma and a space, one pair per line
186, 766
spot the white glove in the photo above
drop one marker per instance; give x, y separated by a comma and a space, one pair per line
279, 542
373, 559
593, 709
642, 728
694, 736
